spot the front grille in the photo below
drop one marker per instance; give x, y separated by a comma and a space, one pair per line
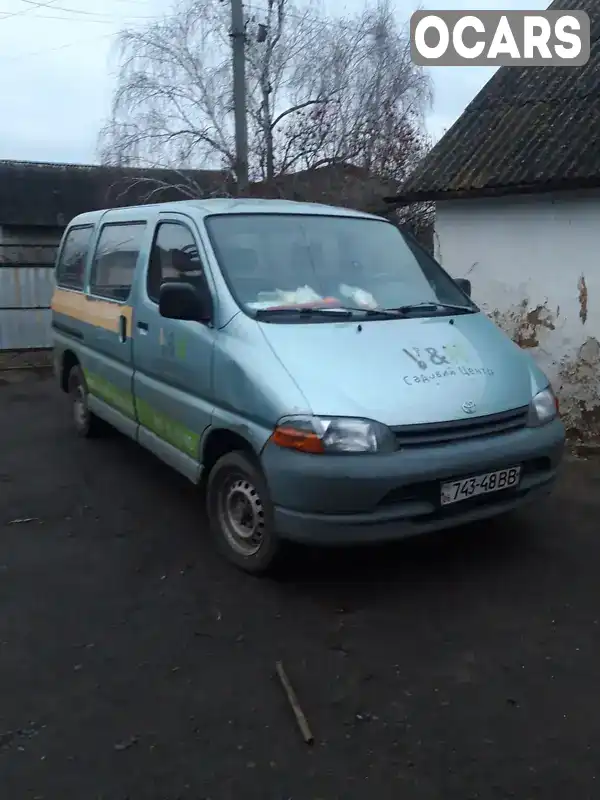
433, 433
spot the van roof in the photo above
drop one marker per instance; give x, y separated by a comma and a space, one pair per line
228, 205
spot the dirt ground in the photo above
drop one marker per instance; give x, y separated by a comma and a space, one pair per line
134, 663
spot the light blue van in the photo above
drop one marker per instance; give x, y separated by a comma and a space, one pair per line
313, 368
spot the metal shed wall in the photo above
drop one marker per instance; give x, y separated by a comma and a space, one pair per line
26, 284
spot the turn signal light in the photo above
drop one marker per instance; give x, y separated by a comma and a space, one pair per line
295, 439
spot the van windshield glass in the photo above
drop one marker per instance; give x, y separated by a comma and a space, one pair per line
279, 261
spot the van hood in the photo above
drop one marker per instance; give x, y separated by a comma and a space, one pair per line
406, 371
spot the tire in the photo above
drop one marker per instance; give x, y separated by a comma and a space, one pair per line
250, 542
86, 424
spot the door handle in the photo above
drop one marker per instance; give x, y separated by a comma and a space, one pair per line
143, 326
123, 328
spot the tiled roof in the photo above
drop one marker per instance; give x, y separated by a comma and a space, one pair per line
52, 194
528, 129
39, 194
336, 184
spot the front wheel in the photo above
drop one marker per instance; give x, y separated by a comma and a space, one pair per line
241, 514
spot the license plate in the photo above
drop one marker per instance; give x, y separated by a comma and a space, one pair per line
455, 491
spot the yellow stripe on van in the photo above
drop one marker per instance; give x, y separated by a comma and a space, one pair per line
100, 313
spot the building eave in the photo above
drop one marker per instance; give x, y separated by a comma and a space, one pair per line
434, 196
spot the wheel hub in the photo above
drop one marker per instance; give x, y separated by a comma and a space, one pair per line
80, 409
244, 517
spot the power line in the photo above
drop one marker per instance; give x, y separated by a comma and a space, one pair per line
86, 16
45, 50
34, 5
28, 10
51, 4
80, 15
98, 15
108, 21
42, 4
293, 15
106, 18
38, 4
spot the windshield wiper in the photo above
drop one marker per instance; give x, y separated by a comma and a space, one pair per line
341, 313
429, 306
386, 313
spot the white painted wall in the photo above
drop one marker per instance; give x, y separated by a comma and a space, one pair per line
538, 252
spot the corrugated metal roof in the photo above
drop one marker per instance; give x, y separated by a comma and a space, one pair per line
40, 194
528, 127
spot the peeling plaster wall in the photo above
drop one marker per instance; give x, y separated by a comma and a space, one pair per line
534, 265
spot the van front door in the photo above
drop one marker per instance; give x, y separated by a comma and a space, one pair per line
173, 358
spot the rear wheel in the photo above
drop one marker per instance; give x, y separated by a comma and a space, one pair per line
241, 514
86, 424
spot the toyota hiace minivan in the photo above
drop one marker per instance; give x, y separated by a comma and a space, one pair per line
316, 370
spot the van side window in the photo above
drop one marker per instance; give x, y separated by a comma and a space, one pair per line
174, 257
115, 259
71, 265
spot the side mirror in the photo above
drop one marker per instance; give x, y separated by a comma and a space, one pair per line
179, 300
464, 284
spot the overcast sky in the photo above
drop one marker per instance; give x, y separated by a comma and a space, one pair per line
57, 65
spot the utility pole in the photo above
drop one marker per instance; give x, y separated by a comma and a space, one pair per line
238, 36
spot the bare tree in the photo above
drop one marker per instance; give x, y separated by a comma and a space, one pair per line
375, 98
276, 60
320, 92
173, 104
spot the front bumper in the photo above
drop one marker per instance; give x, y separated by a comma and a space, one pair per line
354, 499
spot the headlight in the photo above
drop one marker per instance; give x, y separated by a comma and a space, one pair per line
333, 435
543, 407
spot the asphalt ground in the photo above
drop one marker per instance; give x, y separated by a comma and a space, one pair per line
135, 663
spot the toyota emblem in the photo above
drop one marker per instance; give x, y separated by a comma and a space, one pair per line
469, 407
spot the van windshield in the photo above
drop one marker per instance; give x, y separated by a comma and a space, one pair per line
279, 262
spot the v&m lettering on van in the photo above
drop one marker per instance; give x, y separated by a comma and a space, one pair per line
312, 368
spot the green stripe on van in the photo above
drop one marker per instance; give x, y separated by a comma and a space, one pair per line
168, 429
111, 394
